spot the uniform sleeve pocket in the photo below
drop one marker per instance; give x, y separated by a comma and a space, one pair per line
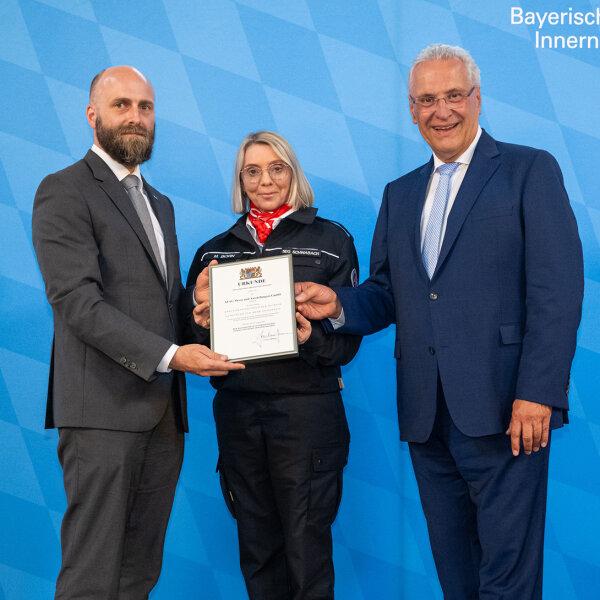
511, 334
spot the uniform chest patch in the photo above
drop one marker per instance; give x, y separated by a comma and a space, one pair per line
302, 252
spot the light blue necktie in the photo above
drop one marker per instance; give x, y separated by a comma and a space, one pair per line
433, 231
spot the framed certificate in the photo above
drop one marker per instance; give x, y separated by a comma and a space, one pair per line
252, 309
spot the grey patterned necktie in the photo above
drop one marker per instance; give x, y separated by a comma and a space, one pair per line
131, 184
433, 231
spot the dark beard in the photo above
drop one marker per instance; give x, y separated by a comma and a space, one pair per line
128, 151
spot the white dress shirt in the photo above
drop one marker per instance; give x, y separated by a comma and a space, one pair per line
121, 172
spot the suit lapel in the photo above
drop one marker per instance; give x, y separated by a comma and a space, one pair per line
483, 165
118, 195
165, 218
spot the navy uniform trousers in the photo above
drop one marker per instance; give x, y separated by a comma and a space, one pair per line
485, 511
281, 462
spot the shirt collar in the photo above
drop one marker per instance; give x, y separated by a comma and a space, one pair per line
120, 171
302, 215
466, 157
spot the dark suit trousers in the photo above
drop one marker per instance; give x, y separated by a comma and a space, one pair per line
120, 487
485, 512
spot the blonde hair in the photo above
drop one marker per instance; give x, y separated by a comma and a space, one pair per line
301, 194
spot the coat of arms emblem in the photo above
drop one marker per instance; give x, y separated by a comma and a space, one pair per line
250, 273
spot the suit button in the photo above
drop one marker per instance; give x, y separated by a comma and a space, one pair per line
123, 360
433, 296
431, 350
132, 365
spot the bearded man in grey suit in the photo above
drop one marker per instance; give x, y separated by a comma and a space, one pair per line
106, 246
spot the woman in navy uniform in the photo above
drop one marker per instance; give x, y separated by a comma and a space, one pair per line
281, 426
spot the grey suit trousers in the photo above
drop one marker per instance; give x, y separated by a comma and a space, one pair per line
120, 487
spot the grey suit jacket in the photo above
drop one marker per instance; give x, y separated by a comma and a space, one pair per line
114, 318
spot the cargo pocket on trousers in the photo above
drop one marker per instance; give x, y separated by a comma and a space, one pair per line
326, 484
225, 488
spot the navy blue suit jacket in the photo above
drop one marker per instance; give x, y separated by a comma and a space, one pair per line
499, 317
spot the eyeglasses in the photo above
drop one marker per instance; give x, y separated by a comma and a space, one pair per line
452, 99
277, 172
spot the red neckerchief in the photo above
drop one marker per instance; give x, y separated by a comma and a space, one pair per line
263, 221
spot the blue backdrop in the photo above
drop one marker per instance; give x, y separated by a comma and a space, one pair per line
330, 75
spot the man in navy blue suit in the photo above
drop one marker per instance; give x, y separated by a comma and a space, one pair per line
477, 260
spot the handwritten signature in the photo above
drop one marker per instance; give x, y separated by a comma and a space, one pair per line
269, 335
